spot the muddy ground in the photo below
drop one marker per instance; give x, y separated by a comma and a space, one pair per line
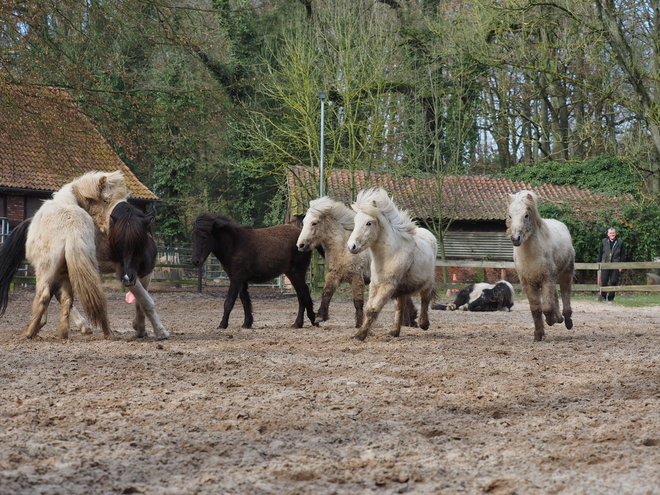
472, 405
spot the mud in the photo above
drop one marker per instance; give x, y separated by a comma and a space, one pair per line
472, 405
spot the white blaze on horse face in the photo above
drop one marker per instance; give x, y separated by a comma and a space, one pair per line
364, 233
518, 221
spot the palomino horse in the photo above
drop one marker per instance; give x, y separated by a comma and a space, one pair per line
252, 255
403, 258
329, 223
59, 241
544, 256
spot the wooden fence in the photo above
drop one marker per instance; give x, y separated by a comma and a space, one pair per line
503, 265
174, 267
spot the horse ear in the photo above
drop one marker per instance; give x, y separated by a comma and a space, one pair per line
149, 217
511, 198
220, 222
101, 184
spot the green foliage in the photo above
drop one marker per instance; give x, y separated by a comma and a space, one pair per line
605, 174
638, 230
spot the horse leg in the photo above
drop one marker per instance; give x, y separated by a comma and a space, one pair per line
357, 284
40, 303
409, 313
247, 306
230, 300
329, 289
304, 299
566, 287
377, 300
399, 308
534, 298
66, 303
550, 303
145, 306
427, 297
78, 320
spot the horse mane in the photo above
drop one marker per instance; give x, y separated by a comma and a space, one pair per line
206, 221
375, 202
339, 211
130, 236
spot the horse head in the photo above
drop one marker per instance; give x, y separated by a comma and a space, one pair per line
523, 218
205, 226
308, 238
365, 232
98, 193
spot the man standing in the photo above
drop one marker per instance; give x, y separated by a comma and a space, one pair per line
611, 250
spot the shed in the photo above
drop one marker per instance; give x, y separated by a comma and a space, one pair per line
46, 142
476, 205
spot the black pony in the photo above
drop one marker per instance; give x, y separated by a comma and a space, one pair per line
129, 251
252, 255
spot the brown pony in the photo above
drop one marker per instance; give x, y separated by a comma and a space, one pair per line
252, 255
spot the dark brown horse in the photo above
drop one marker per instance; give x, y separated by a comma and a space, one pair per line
250, 255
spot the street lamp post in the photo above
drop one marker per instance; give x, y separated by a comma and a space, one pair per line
321, 188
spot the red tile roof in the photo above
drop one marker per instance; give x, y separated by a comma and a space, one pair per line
462, 197
45, 142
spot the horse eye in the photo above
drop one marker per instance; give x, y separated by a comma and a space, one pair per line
314, 224
369, 224
527, 216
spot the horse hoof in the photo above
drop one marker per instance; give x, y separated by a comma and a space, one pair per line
568, 322
538, 337
360, 336
223, 326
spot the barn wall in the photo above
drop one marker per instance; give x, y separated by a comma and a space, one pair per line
478, 245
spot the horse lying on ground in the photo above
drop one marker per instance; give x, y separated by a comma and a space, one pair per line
544, 257
328, 224
250, 255
403, 258
59, 242
482, 297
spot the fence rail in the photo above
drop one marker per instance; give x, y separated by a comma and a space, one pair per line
503, 265
174, 267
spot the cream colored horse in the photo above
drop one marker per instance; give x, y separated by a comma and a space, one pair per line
61, 247
544, 257
328, 224
403, 258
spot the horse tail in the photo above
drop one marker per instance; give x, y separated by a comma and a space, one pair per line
11, 257
85, 280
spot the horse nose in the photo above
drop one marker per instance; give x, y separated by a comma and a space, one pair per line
515, 240
128, 281
302, 246
195, 262
353, 247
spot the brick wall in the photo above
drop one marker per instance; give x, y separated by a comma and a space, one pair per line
15, 208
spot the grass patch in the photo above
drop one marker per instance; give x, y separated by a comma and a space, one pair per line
629, 299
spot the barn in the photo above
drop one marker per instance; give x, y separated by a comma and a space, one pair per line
476, 205
45, 142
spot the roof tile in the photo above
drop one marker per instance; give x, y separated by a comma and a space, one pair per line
463, 197
46, 141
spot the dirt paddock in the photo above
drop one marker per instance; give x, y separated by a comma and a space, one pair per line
472, 405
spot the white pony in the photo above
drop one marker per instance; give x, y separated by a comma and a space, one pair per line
403, 258
328, 224
544, 256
